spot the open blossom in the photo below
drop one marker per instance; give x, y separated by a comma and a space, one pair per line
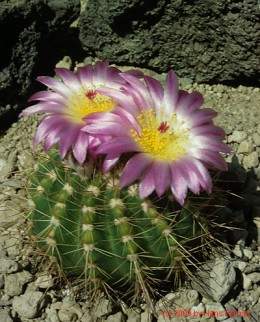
173, 140
66, 103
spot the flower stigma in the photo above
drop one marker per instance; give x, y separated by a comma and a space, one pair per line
88, 101
165, 140
163, 127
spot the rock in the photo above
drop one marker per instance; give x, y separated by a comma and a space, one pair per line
36, 31
251, 160
182, 300
247, 283
51, 315
146, 316
251, 317
204, 35
66, 62
215, 309
7, 265
254, 277
5, 170
2, 281
118, 317
4, 316
256, 139
245, 147
133, 314
13, 183
165, 316
232, 312
253, 297
198, 311
10, 213
215, 279
248, 253
67, 316
103, 307
241, 265
87, 316
44, 281
69, 310
239, 248
237, 136
252, 267
14, 283
30, 304
258, 129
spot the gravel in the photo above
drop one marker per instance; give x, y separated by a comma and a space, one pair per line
29, 293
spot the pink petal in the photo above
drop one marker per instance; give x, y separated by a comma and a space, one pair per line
156, 91
56, 85
143, 94
182, 97
134, 168
118, 123
138, 104
110, 161
162, 177
118, 146
209, 130
67, 141
178, 184
85, 75
122, 99
213, 159
147, 184
50, 123
211, 144
53, 137
128, 118
69, 78
111, 128
113, 77
103, 117
46, 107
80, 146
189, 104
191, 175
195, 174
171, 92
100, 72
201, 117
48, 96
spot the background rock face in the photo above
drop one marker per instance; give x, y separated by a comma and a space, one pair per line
214, 41
31, 34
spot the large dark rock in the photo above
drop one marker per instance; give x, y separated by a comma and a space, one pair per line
32, 35
213, 41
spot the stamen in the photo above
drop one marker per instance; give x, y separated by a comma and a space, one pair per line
165, 140
87, 101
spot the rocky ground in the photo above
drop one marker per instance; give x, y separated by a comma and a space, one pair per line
28, 294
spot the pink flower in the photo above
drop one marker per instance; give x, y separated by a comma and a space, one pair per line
69, 100
173, 140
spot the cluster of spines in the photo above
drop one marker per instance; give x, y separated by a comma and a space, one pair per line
107, 235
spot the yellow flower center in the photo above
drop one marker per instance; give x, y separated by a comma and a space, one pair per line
165, 140
88, 101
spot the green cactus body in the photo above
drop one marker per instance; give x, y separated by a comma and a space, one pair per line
108, 235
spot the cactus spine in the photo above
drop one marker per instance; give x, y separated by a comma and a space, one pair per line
108, 236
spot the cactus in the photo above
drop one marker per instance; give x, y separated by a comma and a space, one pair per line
110, 237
